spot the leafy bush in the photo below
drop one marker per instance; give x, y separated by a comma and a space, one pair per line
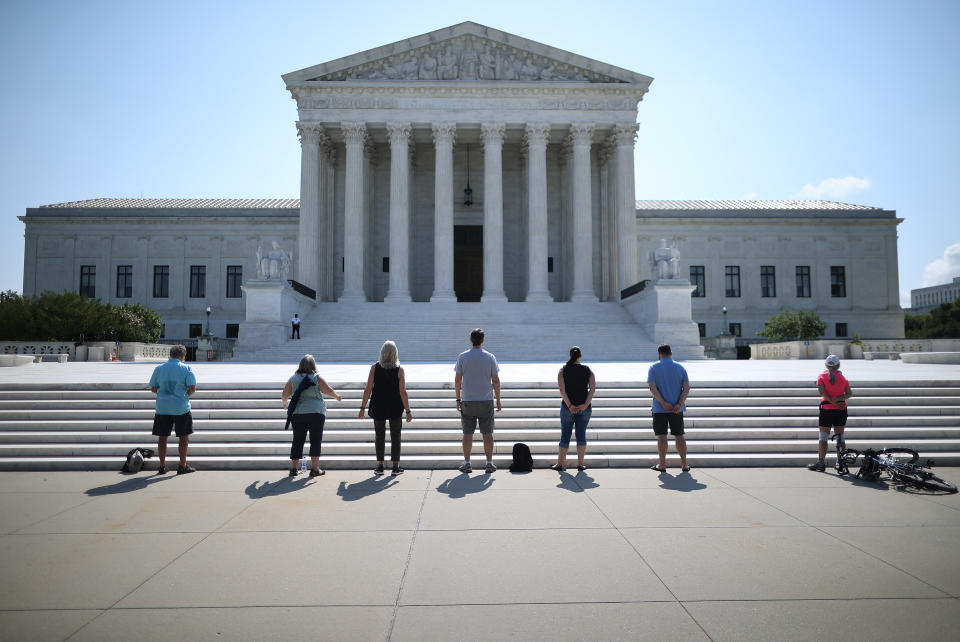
71, 317
794, 325
941, 323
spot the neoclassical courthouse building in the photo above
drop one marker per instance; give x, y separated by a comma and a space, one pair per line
469, 167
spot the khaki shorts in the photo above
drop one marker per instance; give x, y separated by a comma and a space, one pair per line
474, 412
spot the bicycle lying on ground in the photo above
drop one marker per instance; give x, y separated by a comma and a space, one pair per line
900, 463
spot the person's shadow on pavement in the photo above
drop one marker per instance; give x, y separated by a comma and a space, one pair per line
576, 483
684, 482
464, 484
279, 487
365, 488
127, 485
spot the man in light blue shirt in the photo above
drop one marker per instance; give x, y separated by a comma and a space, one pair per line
173, 383
477, 385
669, 386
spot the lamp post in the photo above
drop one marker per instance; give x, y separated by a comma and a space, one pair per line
209, 333
723, 331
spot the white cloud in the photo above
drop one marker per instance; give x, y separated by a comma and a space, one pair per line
904, 298
750, 196
943, 269
833, 188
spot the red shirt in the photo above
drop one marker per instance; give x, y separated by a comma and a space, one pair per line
832, 389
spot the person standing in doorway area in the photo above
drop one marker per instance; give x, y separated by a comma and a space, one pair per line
834, 392
295, 327
478, 378
669, 386
577, 387
174, 383
387, 391
309, 414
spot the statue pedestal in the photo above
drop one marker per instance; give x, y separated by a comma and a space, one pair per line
722, 347
270, 304
663, 309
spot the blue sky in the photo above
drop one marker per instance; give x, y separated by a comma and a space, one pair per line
843, 100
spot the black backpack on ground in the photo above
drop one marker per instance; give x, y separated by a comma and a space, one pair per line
522, 459
135, 458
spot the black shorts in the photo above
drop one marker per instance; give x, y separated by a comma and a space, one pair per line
163, 424
663, 420
830, 417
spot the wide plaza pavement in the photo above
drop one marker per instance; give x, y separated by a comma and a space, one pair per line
605, 554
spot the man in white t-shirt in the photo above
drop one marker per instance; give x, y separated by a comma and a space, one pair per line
477, 385
295, 327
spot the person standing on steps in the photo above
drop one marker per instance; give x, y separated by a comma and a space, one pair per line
387, 391
577, 387
670, 387
477, 385
309, 414
174, 383
834, 392
295, 327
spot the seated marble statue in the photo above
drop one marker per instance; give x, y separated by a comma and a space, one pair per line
273, 263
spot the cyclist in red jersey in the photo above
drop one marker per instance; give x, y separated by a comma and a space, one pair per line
834, 392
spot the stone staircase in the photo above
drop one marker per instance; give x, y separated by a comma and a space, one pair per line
344, 333
92, 426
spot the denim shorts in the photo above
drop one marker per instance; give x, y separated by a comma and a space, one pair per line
570, 421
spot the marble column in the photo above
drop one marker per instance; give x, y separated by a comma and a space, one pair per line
443, 137
538, 288
308, 239
399, 252
355, 135
628, 272
582, 215
492, 136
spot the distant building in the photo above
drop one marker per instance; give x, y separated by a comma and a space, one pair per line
922, 300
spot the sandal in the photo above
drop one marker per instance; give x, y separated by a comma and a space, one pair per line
582, 467
558, 468
658, 468
317, 472
685, 469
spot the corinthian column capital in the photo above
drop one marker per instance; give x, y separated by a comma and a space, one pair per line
625, 134
354, 132
309, 133
399, 132
537, 133
582, 134
444, 132
492, 133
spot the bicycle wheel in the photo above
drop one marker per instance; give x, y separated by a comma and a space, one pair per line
902, 455
920, 478
932, 482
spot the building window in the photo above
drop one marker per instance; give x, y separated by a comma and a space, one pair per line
124, 281
233, 330
841, 329
198, 281
702, 329
803, 281
838, 281
768, 281
161, 281
549, 264
385, 267
88, 280
234, 280
699, 279
736, 329
196, 330
732, 280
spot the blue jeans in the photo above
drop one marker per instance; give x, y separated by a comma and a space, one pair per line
569, 421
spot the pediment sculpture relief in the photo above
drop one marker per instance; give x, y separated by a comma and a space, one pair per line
468, 58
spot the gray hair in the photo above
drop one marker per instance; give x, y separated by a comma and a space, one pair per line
389, 355
178, 351
308, 365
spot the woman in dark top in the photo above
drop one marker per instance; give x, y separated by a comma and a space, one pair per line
577, 386
387, 393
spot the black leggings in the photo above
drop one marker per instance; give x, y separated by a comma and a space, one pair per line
302, 424
380, 427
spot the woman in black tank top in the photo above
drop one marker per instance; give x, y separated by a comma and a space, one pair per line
387, 393
577, 386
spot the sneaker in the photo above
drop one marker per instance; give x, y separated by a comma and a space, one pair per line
183, 470
317, 472
841, 468
491, 467
378, 470
465, 467
293, 472
162, 470
396, 470
817, 467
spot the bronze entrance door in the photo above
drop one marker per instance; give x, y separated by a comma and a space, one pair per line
468, 262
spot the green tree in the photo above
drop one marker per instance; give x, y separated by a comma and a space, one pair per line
68, 316
792, 325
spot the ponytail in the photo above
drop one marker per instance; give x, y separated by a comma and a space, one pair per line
574, 355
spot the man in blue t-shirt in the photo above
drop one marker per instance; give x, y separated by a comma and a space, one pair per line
173, 383
669, 386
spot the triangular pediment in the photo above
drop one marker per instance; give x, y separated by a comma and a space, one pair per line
467, 52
